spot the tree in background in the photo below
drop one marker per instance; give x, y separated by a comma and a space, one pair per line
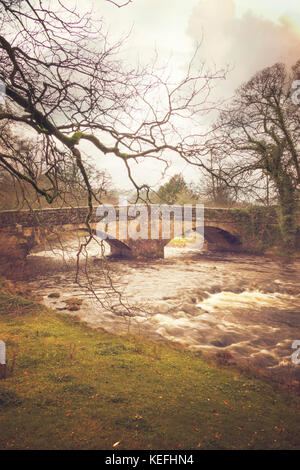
216, 193
31, 188
256, 141
176, 191
213, 187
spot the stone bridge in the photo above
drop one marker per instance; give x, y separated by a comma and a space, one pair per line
224, 229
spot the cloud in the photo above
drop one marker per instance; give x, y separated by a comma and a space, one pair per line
247, 43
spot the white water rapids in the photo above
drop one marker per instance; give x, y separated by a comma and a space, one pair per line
246, 305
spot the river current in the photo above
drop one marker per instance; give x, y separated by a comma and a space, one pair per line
247, 307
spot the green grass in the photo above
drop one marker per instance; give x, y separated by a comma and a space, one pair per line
78, 388
181, 242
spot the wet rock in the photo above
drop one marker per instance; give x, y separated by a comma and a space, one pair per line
189, 308
54, 295
236, 290
201, 295
264, 360
73, 304
123, 313
223, 341
218, 343
215, 289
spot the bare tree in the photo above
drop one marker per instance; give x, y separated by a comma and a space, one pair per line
65, 84
29, 189
257, 142
213, 187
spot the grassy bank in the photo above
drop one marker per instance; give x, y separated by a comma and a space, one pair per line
77, 388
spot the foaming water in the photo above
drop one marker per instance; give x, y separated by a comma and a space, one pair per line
245, 305
245, 300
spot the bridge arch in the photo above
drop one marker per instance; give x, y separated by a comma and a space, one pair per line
118, 248
217, 238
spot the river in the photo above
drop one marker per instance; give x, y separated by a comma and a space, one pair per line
245, 306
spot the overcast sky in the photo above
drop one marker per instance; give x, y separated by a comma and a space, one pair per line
247, 35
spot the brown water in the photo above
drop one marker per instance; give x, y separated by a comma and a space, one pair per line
246, 305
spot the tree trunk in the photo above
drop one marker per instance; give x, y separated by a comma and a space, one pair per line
288, 215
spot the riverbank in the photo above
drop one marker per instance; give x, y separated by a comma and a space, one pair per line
74, 387
237, 305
